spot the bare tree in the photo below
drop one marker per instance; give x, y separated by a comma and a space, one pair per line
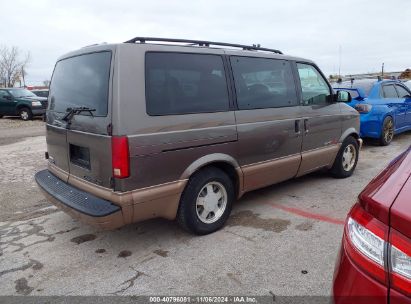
12, 65
46, 83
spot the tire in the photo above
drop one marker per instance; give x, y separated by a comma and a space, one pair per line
343, 165
387, 132
194, 213
25, 114
1, 116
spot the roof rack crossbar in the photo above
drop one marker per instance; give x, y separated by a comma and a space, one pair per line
202, 43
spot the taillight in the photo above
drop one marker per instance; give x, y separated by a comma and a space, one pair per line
400, 260
363, 107
387, 260
120, 156
365, 242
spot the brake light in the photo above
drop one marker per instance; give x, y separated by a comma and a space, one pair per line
363, 107
120, 156
400, 259
365, 242
387, 260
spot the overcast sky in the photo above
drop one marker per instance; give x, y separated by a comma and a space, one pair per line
369, 31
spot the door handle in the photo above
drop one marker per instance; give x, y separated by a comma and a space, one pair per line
306, 130
297, 127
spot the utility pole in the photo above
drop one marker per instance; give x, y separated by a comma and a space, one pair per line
22, 75
339, 61
382, 70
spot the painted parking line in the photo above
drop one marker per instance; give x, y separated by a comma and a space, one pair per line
310, 215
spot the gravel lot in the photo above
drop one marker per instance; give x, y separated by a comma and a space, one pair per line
280, 240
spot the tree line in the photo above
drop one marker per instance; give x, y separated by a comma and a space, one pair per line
13, 65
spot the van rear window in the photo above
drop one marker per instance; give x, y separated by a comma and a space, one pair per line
81, 81
178, 83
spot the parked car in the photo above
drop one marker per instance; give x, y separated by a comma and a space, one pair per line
374, 264
21, 102
142, 130
41, 93
385, 107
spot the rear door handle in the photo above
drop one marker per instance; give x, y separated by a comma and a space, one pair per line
306, 130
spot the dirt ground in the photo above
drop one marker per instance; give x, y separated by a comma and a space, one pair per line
280, 240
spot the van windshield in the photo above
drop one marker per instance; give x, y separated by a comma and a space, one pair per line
81, 81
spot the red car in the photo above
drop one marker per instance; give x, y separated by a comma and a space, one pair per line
374, 264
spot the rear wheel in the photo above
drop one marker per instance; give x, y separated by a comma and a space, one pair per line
206, 202
387, 133
25, 114
347, 158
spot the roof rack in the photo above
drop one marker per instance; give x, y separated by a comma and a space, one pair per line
202, 43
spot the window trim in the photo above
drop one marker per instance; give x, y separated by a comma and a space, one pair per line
290, 62
321, 74
229, 95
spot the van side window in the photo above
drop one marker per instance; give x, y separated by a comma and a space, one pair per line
315, 90
179, 83
263, 83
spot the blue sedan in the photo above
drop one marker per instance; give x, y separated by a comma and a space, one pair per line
385, 107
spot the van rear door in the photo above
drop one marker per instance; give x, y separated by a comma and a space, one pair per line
80, 144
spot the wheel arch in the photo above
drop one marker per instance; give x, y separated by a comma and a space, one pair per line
388, 114
350, 132
222, 161
21, 106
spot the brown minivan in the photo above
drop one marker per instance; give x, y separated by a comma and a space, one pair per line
179, 129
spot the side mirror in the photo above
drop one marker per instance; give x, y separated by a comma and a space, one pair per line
343, 96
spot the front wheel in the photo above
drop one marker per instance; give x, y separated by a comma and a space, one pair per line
387, 133
206, 202
347, 158
25, 114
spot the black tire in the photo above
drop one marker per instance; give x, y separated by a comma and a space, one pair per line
340, 168
387, 132
1, 116
188, 215
25, 114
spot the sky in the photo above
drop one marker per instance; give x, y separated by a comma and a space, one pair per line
366, 33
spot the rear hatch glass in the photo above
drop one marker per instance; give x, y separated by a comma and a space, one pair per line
81, 81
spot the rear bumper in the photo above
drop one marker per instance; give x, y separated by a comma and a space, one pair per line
108, 209
370, 126
360, 143
79, 204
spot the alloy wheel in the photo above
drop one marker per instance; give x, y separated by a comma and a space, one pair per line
24, 115
348, 158
211, 202
388, 131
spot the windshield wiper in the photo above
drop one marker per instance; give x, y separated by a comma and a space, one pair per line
75, 111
